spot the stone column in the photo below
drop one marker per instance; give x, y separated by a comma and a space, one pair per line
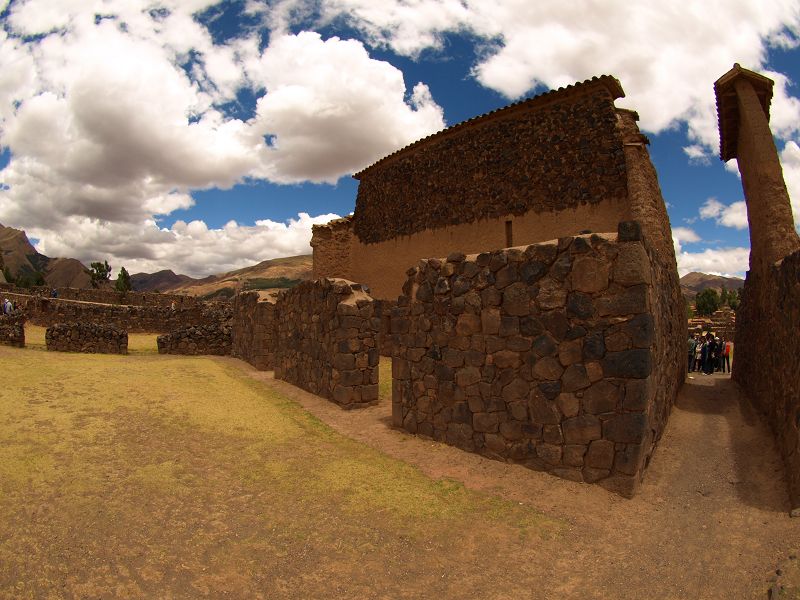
743, 103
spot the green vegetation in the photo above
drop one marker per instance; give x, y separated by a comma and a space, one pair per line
171, 476
269, 283
123, 283
707, 302
225, 293
99, 272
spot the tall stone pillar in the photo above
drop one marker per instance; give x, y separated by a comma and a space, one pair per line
743, 99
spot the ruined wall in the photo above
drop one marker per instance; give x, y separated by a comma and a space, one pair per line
86, 337
767, 364
541, 355
214, 338
253, 328
326, 341
556, 151
12, 330
48, 311
105, 296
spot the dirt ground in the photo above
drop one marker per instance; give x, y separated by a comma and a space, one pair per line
179, 477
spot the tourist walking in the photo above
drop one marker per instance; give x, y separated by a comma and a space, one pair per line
726, 355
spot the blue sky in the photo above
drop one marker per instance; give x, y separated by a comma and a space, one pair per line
204, 136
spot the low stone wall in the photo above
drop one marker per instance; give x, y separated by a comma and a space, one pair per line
203, 339
540, 355
86, 337
767, 364
106, 296
12, 330
49, 311
326, 341
253, 329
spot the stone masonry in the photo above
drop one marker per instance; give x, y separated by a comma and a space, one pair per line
214, 338
767, 364
12, 330
86, 337
326, 341
541, 355
253, 329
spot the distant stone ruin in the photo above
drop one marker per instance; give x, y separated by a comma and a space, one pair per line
211, 339
569, 303
767, 363
12, 330
91, 338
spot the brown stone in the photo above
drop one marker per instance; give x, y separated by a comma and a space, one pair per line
589, 274
594, 371
467, 376
490, 321
574, 378
600, 454
568, 404
468, 324
485, 422
581, 429
549, 453
551, 295
573, 455
601, 397
506, 359
517, 390
570, 352
632, 265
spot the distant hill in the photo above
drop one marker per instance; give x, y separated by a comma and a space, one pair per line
694, 283
276, 273
22, 259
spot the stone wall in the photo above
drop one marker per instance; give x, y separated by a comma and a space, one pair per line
214, 338
383, 311
12, 330
87, 337
542, 355
767, 364
48, 311
326, 341
556, 151
106, 296
253, 329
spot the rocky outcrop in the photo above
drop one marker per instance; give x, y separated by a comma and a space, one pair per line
87, 337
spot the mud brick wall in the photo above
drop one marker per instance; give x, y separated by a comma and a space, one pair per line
12, 330
253, 329
87, 337
767, 361
556, 151
203, 339
104, 296
326, 341
541, 355
48, 311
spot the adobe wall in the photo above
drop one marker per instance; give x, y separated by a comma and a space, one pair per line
104, 296
326, 341
544, 355
338, 252
86, 337
214, 338
767, 364
48, 311
253, 330
557, 151
12, 330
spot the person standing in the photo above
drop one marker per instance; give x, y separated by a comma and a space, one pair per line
711, 350
726, 354
692, 347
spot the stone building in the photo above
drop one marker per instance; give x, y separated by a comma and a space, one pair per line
558, 297
769, 315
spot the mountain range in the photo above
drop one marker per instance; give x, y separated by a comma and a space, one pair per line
20, 258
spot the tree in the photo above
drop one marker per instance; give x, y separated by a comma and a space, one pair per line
723, 296
735, 298
123, 283
99, 272
707, 302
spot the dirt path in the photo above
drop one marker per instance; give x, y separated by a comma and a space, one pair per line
711, 519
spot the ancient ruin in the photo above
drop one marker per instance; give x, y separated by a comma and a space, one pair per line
769, 314
563, 332
210, 339
12, 330
93, 338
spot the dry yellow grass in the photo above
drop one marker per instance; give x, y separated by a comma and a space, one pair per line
163, 476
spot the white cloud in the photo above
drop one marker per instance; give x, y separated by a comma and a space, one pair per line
730, 262
107, 130
733, 215
790, 159
681, 235
191, 248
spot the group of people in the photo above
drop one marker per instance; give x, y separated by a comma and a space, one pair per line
708, 354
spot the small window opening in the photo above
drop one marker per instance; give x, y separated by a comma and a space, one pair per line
509, 235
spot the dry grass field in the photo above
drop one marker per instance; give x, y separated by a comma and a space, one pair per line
148, 476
